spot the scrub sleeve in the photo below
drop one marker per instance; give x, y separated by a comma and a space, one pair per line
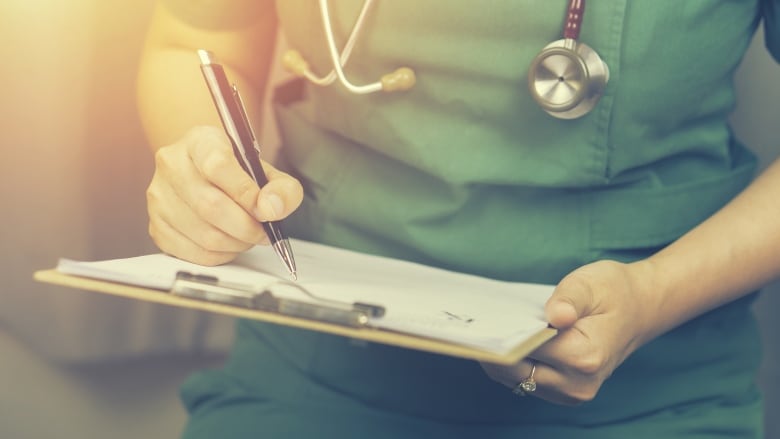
422, 175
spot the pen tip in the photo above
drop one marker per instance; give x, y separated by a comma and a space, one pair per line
283, 249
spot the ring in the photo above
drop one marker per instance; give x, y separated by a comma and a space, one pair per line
528, 385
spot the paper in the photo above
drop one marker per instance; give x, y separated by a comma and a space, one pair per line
469, 310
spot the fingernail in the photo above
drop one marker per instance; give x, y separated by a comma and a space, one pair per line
270, 207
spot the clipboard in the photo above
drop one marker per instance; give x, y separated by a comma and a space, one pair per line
348, 319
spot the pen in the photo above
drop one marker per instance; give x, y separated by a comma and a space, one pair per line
245, 147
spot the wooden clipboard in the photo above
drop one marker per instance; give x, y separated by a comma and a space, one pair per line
52, 276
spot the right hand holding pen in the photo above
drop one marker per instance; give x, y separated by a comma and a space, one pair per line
204, 208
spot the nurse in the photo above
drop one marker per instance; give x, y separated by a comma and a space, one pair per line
537, 141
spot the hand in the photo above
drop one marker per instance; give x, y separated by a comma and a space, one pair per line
204, 208
602, 313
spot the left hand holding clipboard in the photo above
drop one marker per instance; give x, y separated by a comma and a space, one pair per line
600, 312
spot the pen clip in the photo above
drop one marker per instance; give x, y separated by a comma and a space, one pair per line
210, 289
242, 109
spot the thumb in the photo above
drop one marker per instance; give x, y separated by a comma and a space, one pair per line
571, 300
279, 197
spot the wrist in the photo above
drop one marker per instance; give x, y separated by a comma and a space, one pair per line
648, 285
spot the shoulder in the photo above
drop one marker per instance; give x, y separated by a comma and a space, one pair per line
219, 14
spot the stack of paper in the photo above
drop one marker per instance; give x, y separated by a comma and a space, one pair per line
486, 314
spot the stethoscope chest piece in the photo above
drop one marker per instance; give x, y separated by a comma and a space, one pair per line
567, 78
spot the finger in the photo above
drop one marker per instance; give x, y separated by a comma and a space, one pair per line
569, 351
280, 197
512, 376
552, 385
571, 300
202, 198
207, 235
213, 207
210, 152
548, 380
166, 205
174, 243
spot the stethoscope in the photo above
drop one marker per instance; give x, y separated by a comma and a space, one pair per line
566, 78
401, 79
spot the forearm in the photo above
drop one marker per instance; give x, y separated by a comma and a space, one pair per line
172, 95
729, 255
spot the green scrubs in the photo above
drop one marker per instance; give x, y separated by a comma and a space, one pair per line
466, 172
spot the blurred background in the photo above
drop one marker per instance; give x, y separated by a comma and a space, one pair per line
74, 170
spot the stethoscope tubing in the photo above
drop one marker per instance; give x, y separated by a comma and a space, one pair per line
340, 60
569, 94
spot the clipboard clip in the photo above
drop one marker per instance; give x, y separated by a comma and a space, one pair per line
211, 289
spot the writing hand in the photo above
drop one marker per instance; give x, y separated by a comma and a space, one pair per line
204, 208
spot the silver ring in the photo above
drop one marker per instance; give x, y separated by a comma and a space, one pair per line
528, 385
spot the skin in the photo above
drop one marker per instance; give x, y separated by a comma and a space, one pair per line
204, 208
608, 309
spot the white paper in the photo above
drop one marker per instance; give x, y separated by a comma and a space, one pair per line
474, 311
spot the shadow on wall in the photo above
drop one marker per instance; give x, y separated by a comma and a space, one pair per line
75, 170
118, 160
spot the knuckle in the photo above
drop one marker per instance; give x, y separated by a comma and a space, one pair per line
578, 281
590, 364
152, 196
164, 158
213, 163
208, 205
577, 278
583, 394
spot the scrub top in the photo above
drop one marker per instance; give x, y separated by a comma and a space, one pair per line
466, 172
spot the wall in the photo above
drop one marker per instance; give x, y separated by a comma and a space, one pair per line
74, 168
756, 123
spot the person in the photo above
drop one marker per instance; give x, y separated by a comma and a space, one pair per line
643, 212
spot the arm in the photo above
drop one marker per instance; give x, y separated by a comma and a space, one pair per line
172, 97
732, 253
202, 206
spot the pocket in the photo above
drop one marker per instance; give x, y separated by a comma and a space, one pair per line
318, 158
649, 217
